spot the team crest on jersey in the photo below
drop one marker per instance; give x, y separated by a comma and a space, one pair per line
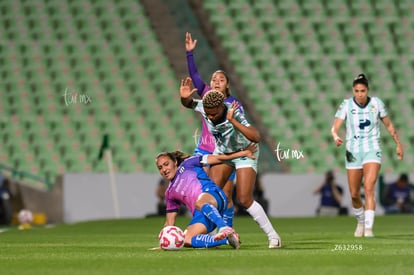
364, 123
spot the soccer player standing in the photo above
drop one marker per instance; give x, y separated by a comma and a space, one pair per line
363, 115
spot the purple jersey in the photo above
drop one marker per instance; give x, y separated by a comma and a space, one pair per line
206, 141
187, 185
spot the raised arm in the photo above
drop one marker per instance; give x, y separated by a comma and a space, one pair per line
391, 130
190, 45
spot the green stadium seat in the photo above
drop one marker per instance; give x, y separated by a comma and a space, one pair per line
314, 11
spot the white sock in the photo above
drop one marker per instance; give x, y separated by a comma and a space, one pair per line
259, 216
369, 218
359, 214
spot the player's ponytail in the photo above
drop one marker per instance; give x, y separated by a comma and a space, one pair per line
360, 79
180, 156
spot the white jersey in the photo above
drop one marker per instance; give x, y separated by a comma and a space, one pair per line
228, 139
362, 124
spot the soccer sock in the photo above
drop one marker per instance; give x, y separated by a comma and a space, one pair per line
203, 240
260, 217
359, 214
369, 218
213, 215
228, 216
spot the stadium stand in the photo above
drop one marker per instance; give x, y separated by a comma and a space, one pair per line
72, 71
302, 55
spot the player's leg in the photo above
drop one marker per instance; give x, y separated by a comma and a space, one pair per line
354, 183
228, 213
212, 204
220, 174
371, 171
208, 205
246, 178
354, 173
196, 233
196, 236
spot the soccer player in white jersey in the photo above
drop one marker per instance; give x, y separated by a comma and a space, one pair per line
363, 115
232, 133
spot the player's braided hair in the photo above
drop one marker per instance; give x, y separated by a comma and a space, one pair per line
213, 99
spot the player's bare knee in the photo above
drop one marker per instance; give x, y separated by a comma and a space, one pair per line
199, 205
369, 191
245, 201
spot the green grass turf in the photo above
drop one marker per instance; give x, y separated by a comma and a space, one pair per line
311, 246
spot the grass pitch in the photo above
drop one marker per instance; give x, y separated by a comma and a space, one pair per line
310, 246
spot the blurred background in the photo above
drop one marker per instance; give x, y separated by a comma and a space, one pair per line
73, 71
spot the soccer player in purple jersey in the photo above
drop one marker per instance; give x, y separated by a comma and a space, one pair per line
206, 142
190, 185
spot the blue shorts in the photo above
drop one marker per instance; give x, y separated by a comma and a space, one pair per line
357, 160
221, 198
199, 217
201, 152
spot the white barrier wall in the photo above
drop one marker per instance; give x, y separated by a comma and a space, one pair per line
89, 196
292, 195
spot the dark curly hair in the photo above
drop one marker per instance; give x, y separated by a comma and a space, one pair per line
213, 99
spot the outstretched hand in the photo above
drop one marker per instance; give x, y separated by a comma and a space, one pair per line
185, 88
190, 44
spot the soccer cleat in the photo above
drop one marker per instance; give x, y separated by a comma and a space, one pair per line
368, 233
359, 231
275, 243
223, 233
233, 240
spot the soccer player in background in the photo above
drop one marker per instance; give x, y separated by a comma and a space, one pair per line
363, 115
232, 133
206, 142
190, 185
